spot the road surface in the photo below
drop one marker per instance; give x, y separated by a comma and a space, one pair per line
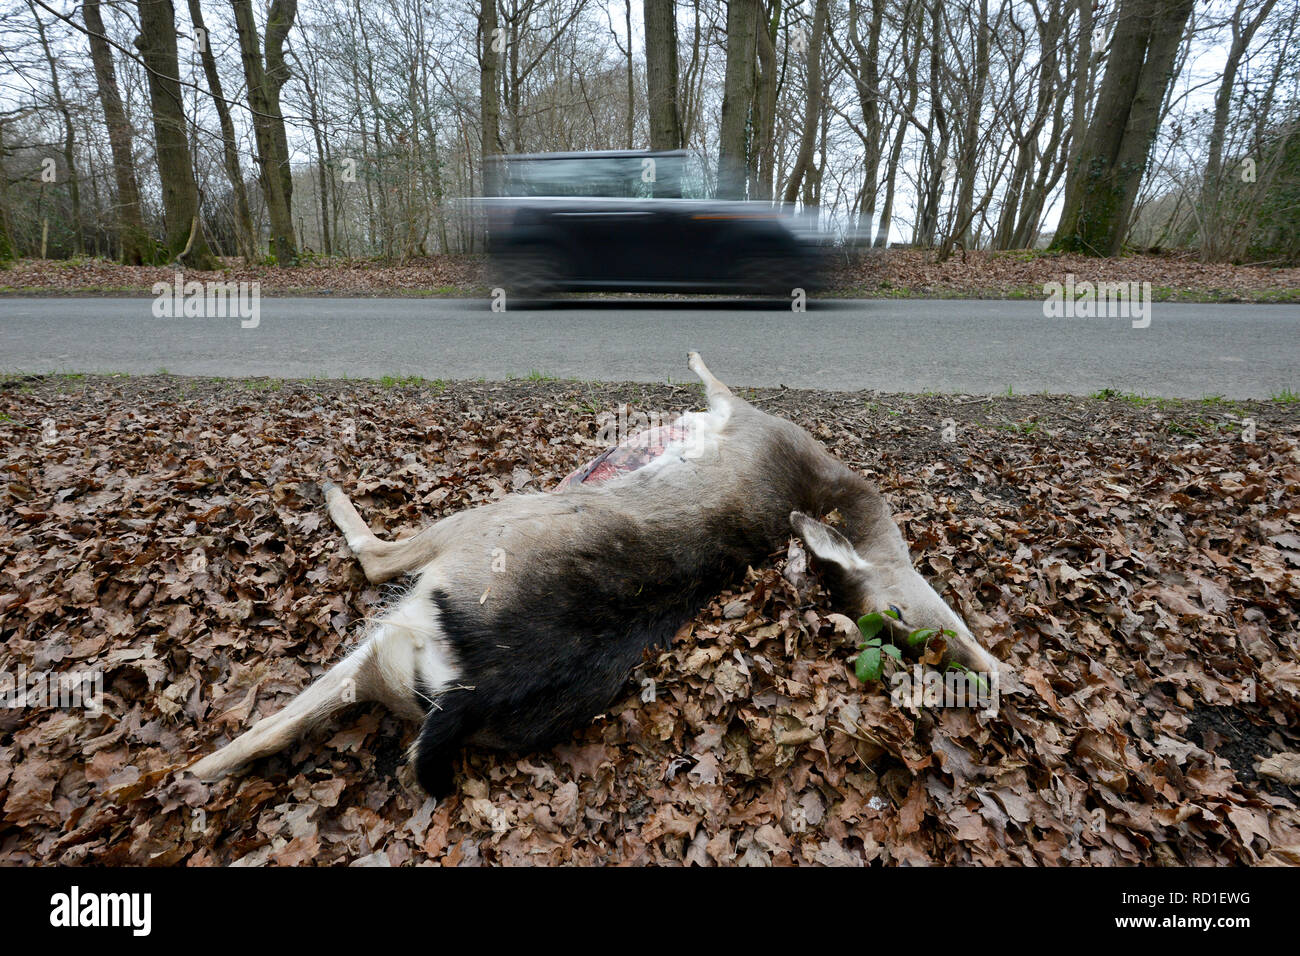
971, 346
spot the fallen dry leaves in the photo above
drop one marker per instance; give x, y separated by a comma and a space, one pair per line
337, 277
1021, 274
1137, 567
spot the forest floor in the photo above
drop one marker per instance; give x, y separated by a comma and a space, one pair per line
1134, 562
895, 273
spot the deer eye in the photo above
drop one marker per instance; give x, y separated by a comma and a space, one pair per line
897, 612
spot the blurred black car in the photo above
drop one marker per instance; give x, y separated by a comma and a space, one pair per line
638, 222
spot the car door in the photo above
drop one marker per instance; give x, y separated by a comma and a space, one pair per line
609, 240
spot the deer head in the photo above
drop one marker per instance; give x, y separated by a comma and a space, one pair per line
884, 579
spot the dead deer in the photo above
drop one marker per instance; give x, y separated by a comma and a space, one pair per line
527, 614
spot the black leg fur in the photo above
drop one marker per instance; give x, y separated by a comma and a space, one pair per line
440, 739
436, 775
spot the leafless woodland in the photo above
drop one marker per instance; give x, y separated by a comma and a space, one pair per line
149, 131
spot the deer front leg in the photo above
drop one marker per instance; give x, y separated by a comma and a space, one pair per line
274, 733
381, 560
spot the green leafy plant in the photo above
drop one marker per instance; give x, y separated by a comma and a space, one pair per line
955, 666
870, 661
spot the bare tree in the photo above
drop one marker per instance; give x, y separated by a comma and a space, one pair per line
911, 30
863, 66
245, 236
969, 141
180, 191
762, 161
489, 87
132, 237
661, 74
1104, 182
1243, 23
265, 80
738, 94
69, 136
812, 107
964, 123
309, 74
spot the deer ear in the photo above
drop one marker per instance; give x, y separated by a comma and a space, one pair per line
826, 543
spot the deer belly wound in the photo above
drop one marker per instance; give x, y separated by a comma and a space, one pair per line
639, 450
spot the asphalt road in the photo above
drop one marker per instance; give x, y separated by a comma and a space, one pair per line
976, 347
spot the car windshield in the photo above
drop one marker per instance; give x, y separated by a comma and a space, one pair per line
659, 176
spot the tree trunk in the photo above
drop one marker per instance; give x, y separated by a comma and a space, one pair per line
1082, 91
1113, 157
264, 82
1216, 236
97, 231
737, 95
244, 232
1016, 198
927, 220
966, 168
180, 190
763, 164
489, 93
812, 105
867, 80
377, 176
911, 66
661, 74
132, 237
7, 249
690, 90
631, 78
69, 137
322, 152
1055, 157
514, 81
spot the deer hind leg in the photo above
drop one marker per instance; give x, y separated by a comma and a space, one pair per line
381, 560
719, 395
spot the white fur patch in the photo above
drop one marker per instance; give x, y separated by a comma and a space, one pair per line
408, 649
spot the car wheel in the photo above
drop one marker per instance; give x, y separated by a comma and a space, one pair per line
764, 274
533, 271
